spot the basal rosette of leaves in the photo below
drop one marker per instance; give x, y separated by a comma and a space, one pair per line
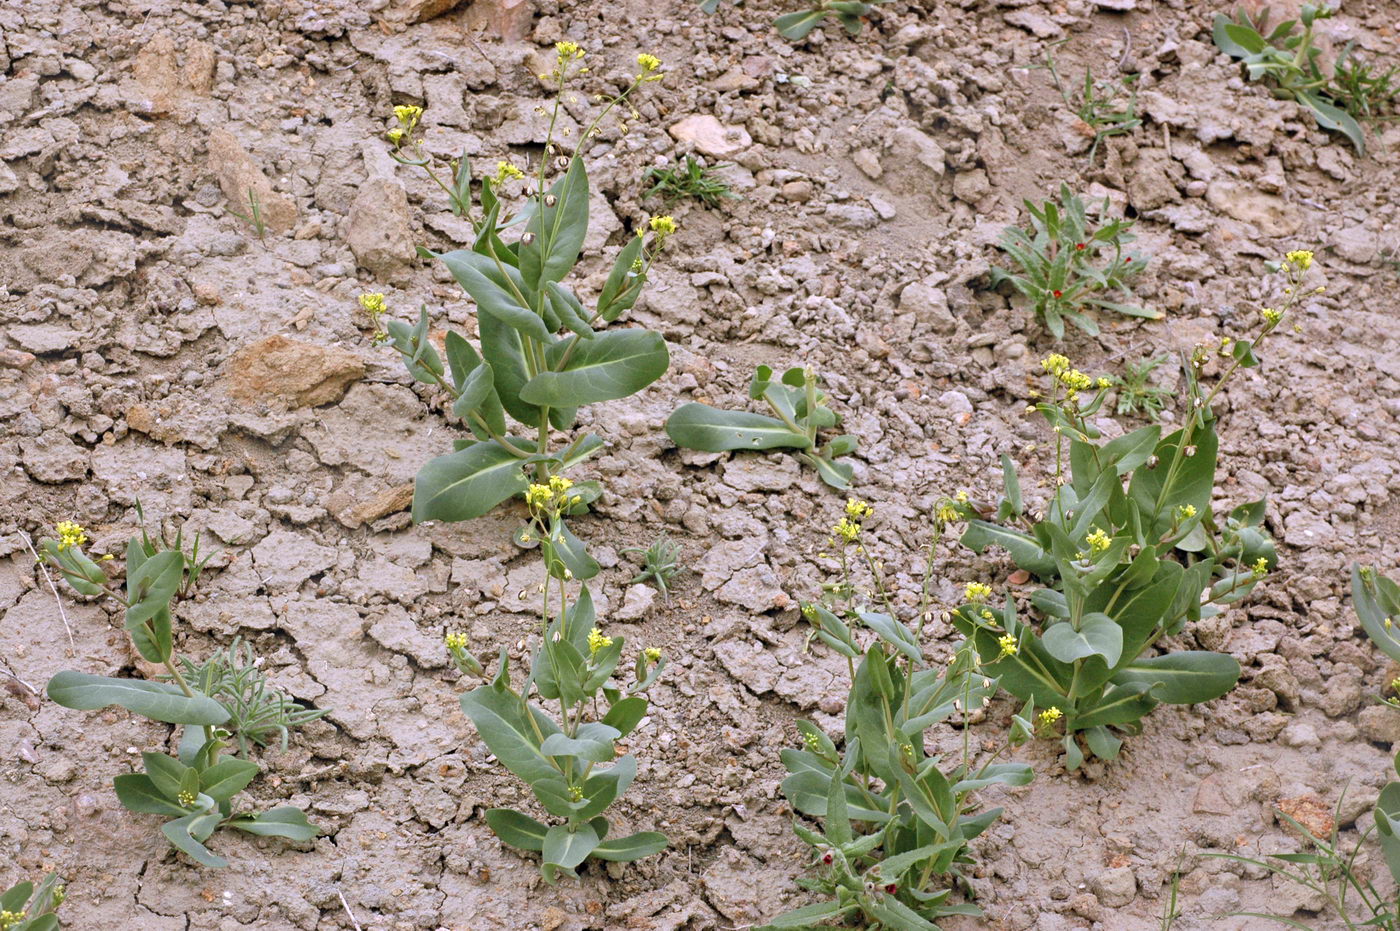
801, 414
195, 789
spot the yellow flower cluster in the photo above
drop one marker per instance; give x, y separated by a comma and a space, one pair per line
374, 305
575, 794
846, 530
1271, 316
1049, 716
946, 512
456, 640
651, 655
1007, 642
1185, 512
552, 496
664, 228
596, 641
407, 117
1073, 380
505, 171
1098, 540
812, 741
977, 592
70, 535
1260, 567
186, 799
649, 63
9, 919
857, 509
1299, 258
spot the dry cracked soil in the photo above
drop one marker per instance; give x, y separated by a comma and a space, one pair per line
153, 346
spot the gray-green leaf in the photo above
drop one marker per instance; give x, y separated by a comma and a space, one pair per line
159, 701
699, 426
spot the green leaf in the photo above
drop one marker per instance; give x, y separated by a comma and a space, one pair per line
895, 634
227, 778
497, 293
631, 847
594, 743
1025, 551
467, 483
137, 792
1376, 600
564, 849
796, 26
517, 829
559, 229
504, 348
1329, 116
283, 821
626, 714
1097, 635
180, 833
168, 774
462, 186
836, 474
568, 309
568, 553
159, 701
1388, 826
603, 787
1245, 38
699, 426
1182, 678
624, 284
614, 364
153, 585
501, 718
809, 916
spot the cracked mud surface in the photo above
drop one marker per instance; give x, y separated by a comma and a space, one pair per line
153, 347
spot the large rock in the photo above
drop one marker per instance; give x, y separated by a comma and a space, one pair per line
711, 137
238, 175
292, 373
52, 457
378, 230
1270, 214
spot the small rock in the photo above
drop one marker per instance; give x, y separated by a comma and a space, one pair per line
912, 144
1300, 734
1380, 724
1115, 888
52, 457
1117, 6
389, 501
636, 604
292, 373
797, 192
419, 11
711, 137
971, 186
396, 631
1309, 811
155, 73
868, 162
929, 305
284, 560
237, 175
1356, 244
378, 228
511, 20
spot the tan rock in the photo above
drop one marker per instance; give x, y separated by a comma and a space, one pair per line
711, 137
389, 501
198, 69
378, 229
1270, 214
511, 20
238, 175
1309, 811
419, 11
291, 373
156, 73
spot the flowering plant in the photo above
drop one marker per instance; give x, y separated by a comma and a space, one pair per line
195, 788
1130, 551
1060, 273
895, 819
542, 356
24, 907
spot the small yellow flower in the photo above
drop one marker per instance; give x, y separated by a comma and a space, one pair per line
1301, 258
1395, 684
1271, 315
961, 497
846, 530
537, 496
1008, 646
812, 741
1055, 363
1185, 512
596, 641
395, 136
456, 640
408, 116
505, 171
1102, 382
651, 655
977, 592
186, 799
373, 303
575, 794
663, 227
9, 919
858, 509
1260, 567
70, 535
946, 512
558, 484
1049, 716
649, 63
1098, 540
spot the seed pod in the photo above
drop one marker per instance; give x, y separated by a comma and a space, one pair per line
528, 238
1152, 462
550, 200
1189, 451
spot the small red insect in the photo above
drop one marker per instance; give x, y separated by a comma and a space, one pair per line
1079, 246
827, 858
1058, 293
891, 888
